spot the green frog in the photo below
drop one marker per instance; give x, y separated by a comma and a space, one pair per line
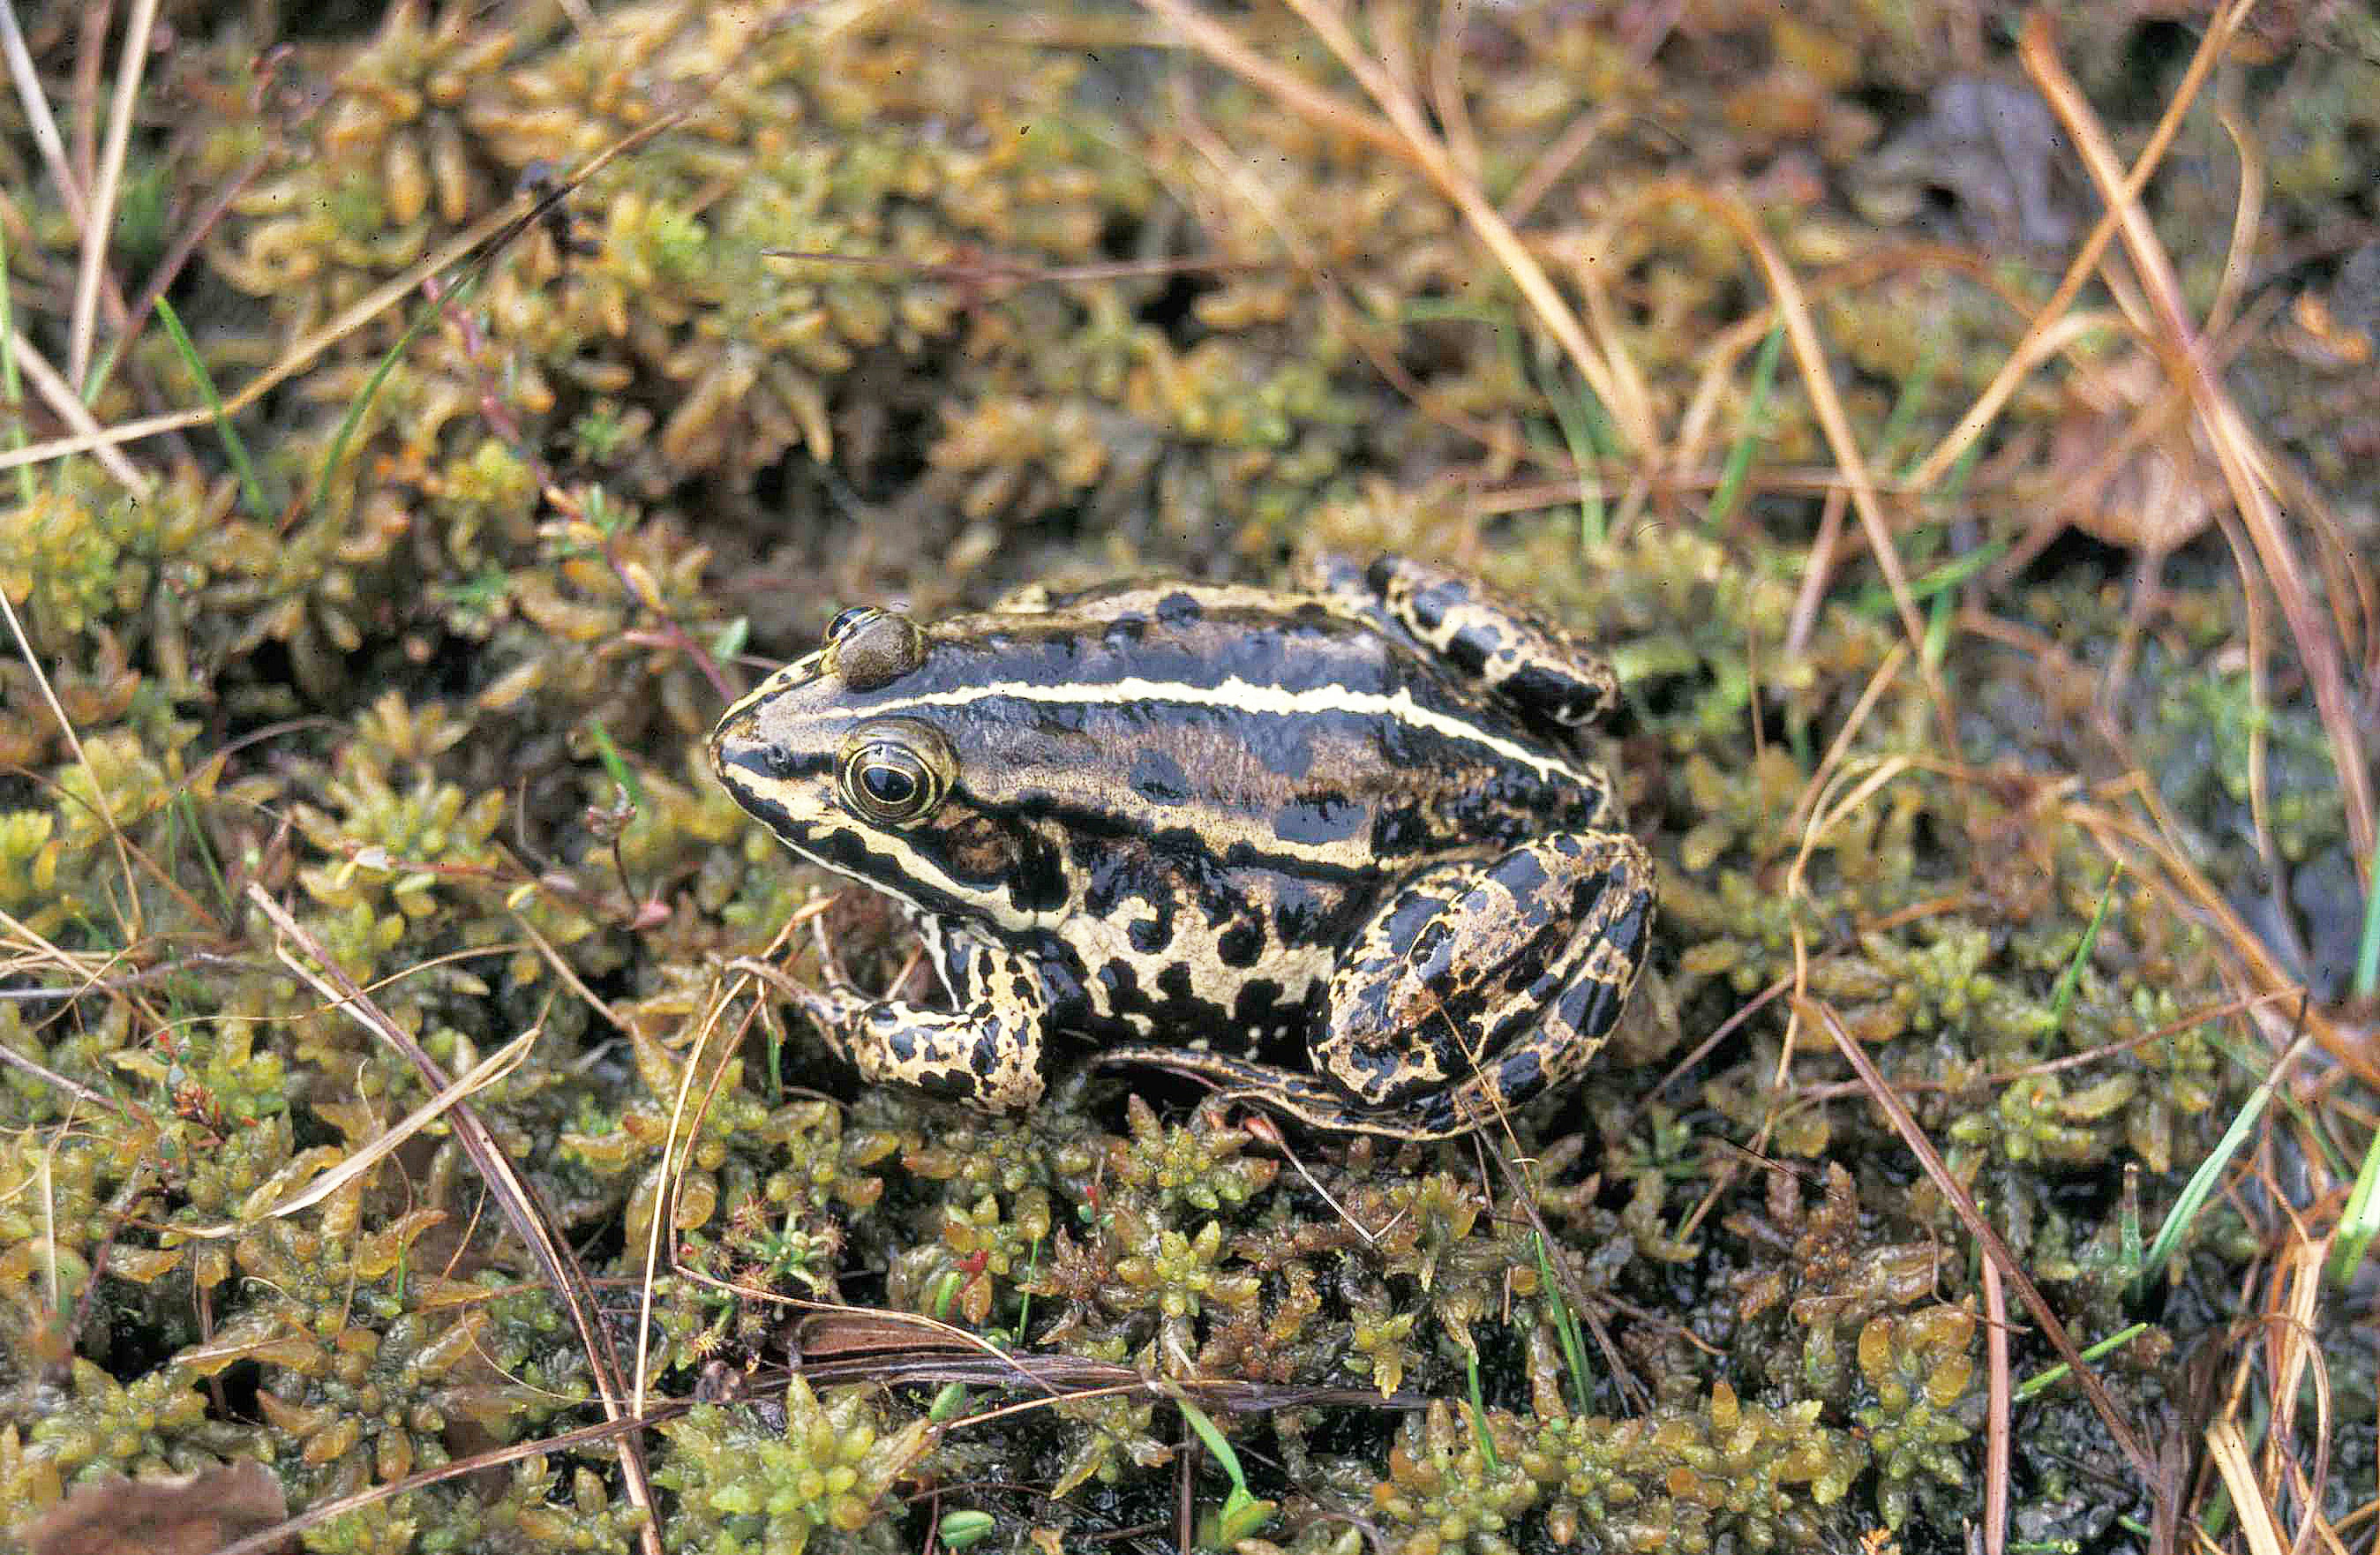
1335, 849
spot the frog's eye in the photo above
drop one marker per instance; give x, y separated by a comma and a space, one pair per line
894, 770
868, 646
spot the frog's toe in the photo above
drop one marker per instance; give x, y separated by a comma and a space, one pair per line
1537, 666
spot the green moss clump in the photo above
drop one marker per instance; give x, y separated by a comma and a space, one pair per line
744, 1488
1921, 1369
1450, 1491
1694, 1478
94, 1426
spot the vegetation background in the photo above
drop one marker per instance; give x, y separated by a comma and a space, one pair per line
416, 423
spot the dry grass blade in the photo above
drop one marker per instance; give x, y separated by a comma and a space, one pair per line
1605, 373
520, 1206
101, 224
1063, 1378
1818, 379
485, 1073
2228, 1448
2021, 361
74, 743
478, 1462
485, 235
2291, 1358
1996, 1424
2173, 874
2236, 449
38, 117
1409, 138
60, 395
100, 441
1963, 1205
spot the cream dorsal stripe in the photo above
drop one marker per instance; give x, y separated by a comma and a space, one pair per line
1241, 696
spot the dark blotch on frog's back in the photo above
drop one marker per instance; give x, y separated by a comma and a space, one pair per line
1282, 747
1158, 778
1261, 1011
1241, 944
1321, 817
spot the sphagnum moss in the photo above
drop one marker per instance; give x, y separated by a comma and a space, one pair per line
739, 1489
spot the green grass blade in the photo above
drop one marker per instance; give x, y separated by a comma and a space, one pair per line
2367, 952
2062, 998
1756, 417
348, 424
2200, 1186
1216, 1446
615, 764
1243, 1512
185, 811
2034, 1384
1877, 601
12, 391
1580, 415
1565, 1322
1916, 390
1938, 630
223, 429
1479, 1416
2360, 1220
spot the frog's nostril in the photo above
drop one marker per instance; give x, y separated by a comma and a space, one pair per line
778, 760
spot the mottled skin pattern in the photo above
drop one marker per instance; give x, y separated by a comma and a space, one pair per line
1201, 824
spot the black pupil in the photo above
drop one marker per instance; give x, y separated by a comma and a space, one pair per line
888, 785
843, 622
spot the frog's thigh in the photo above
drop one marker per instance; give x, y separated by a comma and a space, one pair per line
987, 1051
1494, 978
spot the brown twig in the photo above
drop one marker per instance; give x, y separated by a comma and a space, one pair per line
519, 1203
2243, 460
1996, 1420
1962, 1204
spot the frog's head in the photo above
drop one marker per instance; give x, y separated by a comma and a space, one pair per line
845, 759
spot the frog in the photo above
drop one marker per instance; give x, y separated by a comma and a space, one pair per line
1336, 849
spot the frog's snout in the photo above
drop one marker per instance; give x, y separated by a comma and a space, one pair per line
729, 737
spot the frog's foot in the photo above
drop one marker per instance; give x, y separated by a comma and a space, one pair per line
985, 1052
1478, 984
1540, 668
1313, 1101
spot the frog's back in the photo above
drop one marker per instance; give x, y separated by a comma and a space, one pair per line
1248, 725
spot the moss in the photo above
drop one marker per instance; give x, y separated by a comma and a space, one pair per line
741, 1488
1921, 1367
96, 1426
1696, 1478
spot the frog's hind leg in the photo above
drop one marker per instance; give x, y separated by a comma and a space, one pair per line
1478, 984
1538, 668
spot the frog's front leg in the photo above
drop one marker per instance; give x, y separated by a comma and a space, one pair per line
986, 1051
1479, 984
